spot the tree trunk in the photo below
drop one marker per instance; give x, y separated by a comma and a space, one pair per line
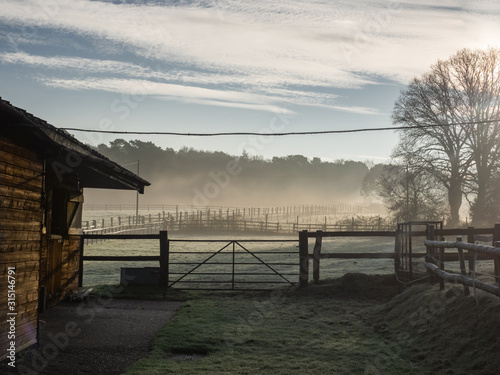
479, 213
454, 200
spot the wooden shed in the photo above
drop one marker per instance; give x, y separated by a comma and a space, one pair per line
43, 171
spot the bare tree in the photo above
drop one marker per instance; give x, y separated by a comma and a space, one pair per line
462, 90
410, 194
478, 73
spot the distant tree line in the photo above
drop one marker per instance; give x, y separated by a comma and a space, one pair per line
192, 176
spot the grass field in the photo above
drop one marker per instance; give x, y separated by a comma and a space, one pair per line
356, 324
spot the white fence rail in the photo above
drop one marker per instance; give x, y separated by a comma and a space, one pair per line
468, 279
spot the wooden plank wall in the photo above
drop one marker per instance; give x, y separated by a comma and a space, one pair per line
21, 182
60, 278
71, 264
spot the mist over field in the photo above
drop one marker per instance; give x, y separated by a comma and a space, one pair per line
193, 177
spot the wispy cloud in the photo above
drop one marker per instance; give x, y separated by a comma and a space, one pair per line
74, 63
258, 55
223, 98
159, 84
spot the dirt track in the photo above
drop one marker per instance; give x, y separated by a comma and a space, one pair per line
96, 336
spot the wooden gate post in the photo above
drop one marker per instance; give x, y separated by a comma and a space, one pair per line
316, 255
397, 250
461, 259
497, 264
303, 258
164, 258
470, 256
441, 264
430, 251
496, 238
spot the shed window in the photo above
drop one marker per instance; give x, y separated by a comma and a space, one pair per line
66, 211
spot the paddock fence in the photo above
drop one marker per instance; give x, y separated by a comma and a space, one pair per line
201, 222
317, 255
232, 264
484, 275
205, 264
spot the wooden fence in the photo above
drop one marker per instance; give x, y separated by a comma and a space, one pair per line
162, 236
403, 255
171, 274
316, 255
406, 260
303, 252
272, 212
432, 259
133, 226
216, 221
436, 258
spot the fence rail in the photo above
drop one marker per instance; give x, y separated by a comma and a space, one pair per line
435, 255
303, 255
171, 272
154, 223
316, 255
407, 233
436, 266
276, 211
225, 274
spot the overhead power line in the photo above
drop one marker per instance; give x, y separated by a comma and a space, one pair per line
423, 126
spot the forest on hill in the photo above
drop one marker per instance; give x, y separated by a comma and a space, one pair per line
189, 176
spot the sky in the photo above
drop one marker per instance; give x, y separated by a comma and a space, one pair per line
231, 66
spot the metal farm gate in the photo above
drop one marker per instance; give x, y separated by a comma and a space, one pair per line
232, 265
404, 263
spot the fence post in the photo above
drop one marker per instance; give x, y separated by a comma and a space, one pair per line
397, 250
430, 253
496, 238
303, 258
470, 239
441, 264
164, 258
316, 255
497, 264
462, 264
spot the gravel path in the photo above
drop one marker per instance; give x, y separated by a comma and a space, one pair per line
96, 336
